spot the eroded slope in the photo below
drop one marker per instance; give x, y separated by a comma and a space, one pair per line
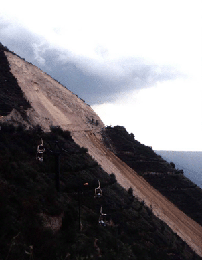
52, 103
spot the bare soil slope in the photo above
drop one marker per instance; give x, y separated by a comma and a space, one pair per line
53, 104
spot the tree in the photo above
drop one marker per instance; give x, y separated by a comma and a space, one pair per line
172, 164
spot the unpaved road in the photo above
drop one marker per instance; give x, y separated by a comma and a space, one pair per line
180, 223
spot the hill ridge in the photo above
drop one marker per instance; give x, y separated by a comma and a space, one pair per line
53, 105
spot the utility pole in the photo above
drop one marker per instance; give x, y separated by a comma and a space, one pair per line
57, 171
56, 150
80, 189
79, 204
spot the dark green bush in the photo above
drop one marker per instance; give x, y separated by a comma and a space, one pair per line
130, 191
112, 178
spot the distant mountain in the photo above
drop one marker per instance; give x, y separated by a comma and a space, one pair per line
189, 162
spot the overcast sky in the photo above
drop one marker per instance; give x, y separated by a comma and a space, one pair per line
137, 63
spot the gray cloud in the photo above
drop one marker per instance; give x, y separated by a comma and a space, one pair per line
79, 75
18, 40
96, 87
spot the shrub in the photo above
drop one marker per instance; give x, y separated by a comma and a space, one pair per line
83, 150
67, 135
130, 191
112, 178
56, 130
179, 172
172, 164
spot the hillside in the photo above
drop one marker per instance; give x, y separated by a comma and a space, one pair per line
39, 222
42, 102
189, 162
11, 95
162, 175
32, 97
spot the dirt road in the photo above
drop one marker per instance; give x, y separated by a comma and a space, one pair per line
180, 223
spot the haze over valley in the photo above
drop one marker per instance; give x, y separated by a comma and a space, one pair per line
189, 162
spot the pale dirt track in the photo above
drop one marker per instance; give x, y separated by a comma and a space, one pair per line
180, 223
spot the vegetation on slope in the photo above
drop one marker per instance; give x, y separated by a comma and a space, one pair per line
29, 201
11, 95
160, 174
37, 222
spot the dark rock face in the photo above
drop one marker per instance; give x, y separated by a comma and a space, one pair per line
11, 95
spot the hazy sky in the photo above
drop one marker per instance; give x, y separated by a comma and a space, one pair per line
137, 63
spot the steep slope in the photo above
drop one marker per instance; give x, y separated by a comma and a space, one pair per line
39, 223
185, 227
52, 104
160, 174
11, 95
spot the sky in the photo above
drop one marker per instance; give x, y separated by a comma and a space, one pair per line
137, 63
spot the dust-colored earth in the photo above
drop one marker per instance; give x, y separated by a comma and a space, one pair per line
53, 104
